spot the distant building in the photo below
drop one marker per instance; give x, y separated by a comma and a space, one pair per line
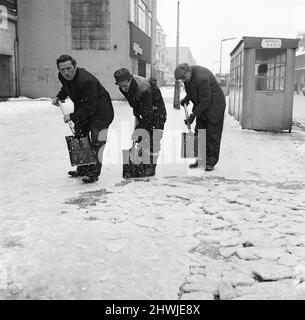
300, 64
161, 55
102, 35
8, 49
185, 55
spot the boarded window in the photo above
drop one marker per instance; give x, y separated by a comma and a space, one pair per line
90, 24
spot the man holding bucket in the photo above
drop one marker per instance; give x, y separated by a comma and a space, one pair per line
209, 105
93, 111
149, 110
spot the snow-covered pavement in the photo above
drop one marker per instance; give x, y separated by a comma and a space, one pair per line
235, 233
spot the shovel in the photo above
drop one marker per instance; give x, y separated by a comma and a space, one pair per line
79, 148
133, 166
191, 146
132, 162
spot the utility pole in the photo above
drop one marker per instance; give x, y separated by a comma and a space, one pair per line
177, 83
153, 38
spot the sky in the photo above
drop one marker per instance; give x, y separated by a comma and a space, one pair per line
203, 24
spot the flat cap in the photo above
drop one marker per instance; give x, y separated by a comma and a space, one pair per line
181, 70
121, 75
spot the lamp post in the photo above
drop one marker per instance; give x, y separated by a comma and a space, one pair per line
227, 39
177, 83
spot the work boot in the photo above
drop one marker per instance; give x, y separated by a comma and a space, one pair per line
197, 163
89, 179
209, 167
194, 165
76, 173
150, 170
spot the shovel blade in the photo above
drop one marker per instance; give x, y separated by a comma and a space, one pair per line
80, 152
133, 166
193, 146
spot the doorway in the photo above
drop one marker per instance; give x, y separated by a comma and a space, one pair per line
5, 77
142, 68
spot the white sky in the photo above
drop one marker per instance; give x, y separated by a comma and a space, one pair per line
203, 23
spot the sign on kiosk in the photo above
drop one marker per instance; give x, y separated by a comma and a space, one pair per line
271, 43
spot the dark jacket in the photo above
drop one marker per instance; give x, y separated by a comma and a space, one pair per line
206, 95
92, 103
147, 103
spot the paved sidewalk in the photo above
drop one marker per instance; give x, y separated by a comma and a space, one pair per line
235, 233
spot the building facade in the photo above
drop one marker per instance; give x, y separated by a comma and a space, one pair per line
8, 49
161, 55
102, 35
185, 56
300, 65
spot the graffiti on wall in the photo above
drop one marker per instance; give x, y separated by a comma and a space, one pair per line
40, 74
43, 77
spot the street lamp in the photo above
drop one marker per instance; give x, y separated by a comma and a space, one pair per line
227, 39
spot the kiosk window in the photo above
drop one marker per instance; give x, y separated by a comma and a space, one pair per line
270, 69
236, 80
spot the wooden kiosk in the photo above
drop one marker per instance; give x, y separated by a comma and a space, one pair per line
262, 83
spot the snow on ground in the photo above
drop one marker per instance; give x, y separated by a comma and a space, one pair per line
298, 112
183, 234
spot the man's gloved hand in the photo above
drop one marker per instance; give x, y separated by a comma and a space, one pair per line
184, 102
190, 119
55, 101
67, 118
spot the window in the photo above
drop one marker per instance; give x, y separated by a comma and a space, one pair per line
133, 13
90, 24
270, 70
141, 16
148, 23
237, 72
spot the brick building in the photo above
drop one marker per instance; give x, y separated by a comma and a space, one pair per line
102, 35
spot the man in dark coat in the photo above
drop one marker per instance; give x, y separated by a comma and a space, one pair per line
209, 106
93, 111
149, 110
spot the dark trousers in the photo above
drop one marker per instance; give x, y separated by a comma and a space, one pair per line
213, 138
98, 140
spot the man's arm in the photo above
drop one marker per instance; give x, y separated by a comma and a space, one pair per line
146, 106
88, 103
62, 94
204, 96
185, 100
